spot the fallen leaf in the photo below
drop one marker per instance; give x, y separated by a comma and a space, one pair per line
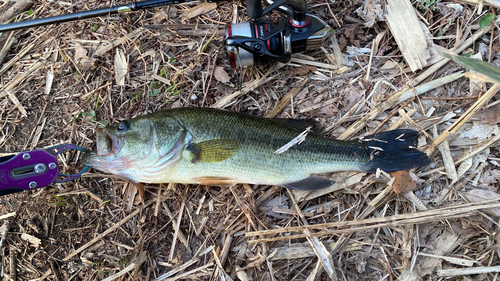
478, 195
198, 10
121, 67
485, 20
479, 159
277, 202
480, 132
466, 228
221, 75
177, 104
161, 15
80, 53
403, 182
444, 9
31, 239
464, 167
448, 8
328, 109
371, 11
350, 32
390, 64
490, 177
342, 42
353, 95
440, 242
490, 115
300, 71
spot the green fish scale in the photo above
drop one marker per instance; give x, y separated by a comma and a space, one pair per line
259, 138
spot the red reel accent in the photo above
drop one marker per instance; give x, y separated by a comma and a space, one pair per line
268, 41
232, 58
299, 26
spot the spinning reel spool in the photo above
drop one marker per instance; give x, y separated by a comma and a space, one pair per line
257, 42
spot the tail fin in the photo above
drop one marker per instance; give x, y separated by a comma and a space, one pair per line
393, 151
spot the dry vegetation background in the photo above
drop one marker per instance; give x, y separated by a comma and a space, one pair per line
59, 83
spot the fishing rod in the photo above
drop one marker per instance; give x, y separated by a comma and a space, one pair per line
113, 10
256, 42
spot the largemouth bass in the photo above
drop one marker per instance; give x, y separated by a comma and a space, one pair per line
217, 147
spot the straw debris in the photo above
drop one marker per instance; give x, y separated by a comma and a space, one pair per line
61, 82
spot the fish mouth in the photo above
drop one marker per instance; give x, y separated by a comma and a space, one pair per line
107, 144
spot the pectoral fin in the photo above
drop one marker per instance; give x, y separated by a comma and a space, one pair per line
213, 150
310, 183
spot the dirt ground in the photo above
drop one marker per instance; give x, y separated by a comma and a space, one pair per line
59, 84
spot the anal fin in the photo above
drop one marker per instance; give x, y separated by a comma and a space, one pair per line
310, 183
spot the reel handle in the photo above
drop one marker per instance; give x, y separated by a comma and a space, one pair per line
254, 9
298, 9
298, 6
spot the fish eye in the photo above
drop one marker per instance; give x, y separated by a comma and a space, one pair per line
124, 126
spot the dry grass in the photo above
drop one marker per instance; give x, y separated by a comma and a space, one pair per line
58, 83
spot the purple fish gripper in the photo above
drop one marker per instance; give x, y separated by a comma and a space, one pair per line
34, 169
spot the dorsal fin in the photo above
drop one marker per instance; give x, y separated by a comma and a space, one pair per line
299, 124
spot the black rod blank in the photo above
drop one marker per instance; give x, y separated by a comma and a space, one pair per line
135, 6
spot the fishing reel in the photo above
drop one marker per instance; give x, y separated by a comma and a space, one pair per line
257, 42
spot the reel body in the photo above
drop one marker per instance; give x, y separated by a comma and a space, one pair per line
245, 30
258, 43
